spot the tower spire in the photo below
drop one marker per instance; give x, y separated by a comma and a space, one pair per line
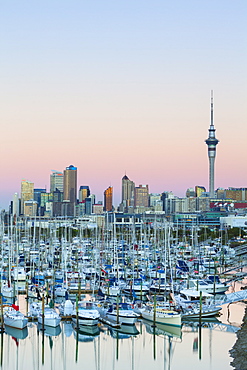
211, 143
212, 108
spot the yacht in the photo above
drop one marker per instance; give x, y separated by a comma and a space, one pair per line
188, 301
87, 313
14, 318
161, 314
51, 317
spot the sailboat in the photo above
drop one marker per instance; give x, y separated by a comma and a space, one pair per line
162, 315
87, 314
14, 318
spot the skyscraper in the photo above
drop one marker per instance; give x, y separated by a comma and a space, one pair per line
84, 192
56, 181
128, 187
26, 193
141, 196
16, 205
70, 190
211, 143
108, 199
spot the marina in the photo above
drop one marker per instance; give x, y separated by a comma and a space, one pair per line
124, 298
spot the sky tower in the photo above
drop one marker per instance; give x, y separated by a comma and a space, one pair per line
211, 143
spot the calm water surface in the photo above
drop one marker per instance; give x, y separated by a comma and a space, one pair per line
138, 348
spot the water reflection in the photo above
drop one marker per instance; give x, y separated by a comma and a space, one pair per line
124, 332
140, 346
163, 329
49, 330
85, 333
16, 333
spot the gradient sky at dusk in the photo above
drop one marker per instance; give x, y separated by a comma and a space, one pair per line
114, 86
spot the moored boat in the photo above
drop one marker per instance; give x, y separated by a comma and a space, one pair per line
162, 315
87, 314
121, 313
51, 317
14, 318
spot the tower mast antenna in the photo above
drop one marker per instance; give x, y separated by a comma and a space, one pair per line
212, 108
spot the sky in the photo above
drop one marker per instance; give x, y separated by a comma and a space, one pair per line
115, 87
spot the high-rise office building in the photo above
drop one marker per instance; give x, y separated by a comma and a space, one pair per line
56, 181
89, 202
211, 143
84, 192
108, 199
57, 203
141, 196
128, 187
70, 190
16, 205
27, 193
37, 195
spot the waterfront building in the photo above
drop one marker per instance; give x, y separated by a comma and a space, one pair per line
27, 193
69, 190
84, 192
108, 199
56, 181
211, 143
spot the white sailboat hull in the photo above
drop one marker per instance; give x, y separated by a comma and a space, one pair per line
15, 319
167, 317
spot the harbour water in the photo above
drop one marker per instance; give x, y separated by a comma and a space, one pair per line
140, 347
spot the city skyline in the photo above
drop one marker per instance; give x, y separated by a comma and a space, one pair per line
124, 87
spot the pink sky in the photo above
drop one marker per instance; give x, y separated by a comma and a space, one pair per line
127, 89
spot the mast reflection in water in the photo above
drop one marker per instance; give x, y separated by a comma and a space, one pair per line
138, 347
